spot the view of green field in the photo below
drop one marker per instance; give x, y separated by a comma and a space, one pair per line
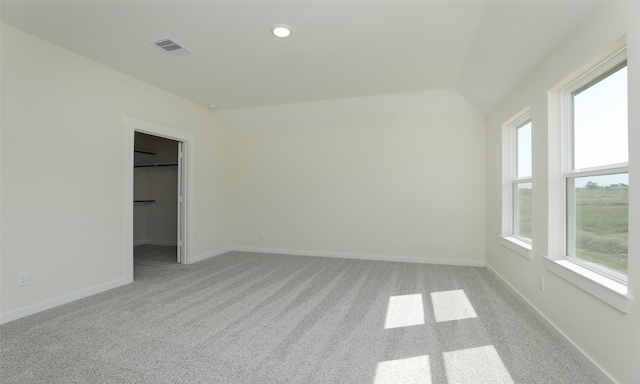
523, 211
601, 225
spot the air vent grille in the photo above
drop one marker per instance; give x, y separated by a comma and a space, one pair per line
171, 47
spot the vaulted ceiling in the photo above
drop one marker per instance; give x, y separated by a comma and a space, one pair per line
337, 49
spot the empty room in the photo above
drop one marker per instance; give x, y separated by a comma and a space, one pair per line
433, 192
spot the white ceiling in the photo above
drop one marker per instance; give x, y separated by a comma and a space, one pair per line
338, 49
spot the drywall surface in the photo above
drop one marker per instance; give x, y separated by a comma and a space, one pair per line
63, 167
385, 190
610, 338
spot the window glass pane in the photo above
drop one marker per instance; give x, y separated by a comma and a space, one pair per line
600, 123
524, 150
598, 220
522, 210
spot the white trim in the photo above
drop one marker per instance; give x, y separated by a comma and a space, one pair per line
210, 255
42, 306
127, 225
575, 350
518, 246
598, 171
194, 259
584, 77
611, 292
363, 256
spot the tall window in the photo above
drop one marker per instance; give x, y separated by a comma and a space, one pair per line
596, 175
521, 180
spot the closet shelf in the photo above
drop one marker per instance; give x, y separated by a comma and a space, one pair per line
156, 165
145, 201
144, 151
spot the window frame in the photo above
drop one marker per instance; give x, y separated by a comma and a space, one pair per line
519, 244
514, 178
589, 78
599, 286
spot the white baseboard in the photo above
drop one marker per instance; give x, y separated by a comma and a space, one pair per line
14, 315
209, 255
32, 309
576, 351
363, 256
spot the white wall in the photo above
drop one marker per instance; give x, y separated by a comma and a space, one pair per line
406, 170
63, 162
381, 176
609, 337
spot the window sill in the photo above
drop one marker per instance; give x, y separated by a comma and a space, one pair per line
518, 246
607, 290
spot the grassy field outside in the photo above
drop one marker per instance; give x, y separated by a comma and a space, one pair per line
523, 207
602, 225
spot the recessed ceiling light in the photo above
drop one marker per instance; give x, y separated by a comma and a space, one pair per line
281, 31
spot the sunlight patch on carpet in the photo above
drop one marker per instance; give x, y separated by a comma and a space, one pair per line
413, 370
404, 311
452, 305
480, 365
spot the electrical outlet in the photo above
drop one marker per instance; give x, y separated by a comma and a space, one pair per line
23, 279
541, 283
438, 242
262, 235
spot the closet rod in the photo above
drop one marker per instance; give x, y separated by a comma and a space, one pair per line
144, 201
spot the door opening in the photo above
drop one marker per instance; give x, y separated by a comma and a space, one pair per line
157, 194
178, 166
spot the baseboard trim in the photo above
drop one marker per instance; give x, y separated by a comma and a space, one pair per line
575, 350
209, 255
363, 256
33, 309
42, 306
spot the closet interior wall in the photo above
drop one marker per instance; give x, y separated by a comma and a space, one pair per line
155, 212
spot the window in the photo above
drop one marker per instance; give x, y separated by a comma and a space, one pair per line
517, 176
595, 174
521, 181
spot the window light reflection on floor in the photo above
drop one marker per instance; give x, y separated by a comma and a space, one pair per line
476, 366
451, 305
404, 311
414, 370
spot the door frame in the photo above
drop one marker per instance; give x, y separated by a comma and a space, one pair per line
131, 126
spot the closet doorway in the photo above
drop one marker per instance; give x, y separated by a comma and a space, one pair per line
157, 198
185, 154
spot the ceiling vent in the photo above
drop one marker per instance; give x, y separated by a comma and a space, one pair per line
171, 47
